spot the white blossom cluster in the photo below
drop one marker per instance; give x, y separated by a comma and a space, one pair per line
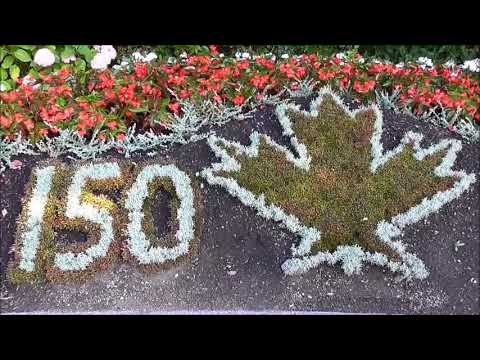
44, 57
75, 209
425, 62
30, 237
138, 243
351, 257
471, 65
103, 57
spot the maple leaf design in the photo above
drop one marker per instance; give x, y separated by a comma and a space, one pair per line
338, 190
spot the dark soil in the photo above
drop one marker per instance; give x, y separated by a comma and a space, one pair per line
72, 237
238, 264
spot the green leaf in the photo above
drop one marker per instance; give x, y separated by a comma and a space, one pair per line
86, 52
67, 52
27, 47
34, 73
14, 72
61, 102
139, 110
3, 52
3, 74
7, 62
22, 55
80, 65
5, 85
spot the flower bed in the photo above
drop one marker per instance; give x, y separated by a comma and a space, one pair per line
152, 94
335, 187
344, 196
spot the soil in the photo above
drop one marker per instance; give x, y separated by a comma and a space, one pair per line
238, 269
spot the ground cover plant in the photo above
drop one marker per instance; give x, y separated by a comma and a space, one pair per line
62, 200
336, 188
152, 95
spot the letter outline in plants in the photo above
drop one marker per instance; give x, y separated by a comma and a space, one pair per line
346, 198
82, 218
76, 208
139, 244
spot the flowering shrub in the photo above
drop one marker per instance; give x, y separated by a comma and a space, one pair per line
150, 93
25, 61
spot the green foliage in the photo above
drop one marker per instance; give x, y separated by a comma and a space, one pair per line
163, 51
394, 53
339, 194
17, 61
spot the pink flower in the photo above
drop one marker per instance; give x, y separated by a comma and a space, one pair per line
16, 165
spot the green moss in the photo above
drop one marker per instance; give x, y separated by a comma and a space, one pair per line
339, 195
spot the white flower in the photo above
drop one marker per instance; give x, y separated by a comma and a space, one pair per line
425, 62
44, 57
69, 59
284, 56
183, 55
471, 65
151, 56
400, 65
97, 47
221, 55
108, 51
238, 55
245, 55
449, 64
100, 62
340, 56
137, 56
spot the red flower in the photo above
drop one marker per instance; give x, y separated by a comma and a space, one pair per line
344, 82
365, 87
238, 100
105, 82
141, 71
243, 65
174, 107
325, 75
213, 50
111, 125
287, 70
68, 112
184, 94
259, 81
301, 72
28, 125
121, 137
267, 64
5, 122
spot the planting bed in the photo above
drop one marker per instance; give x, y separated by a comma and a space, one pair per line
235, 262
